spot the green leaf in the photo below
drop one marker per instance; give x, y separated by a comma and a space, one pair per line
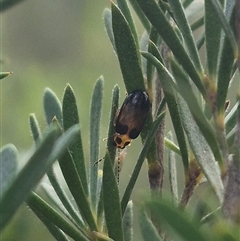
166, 31
28, 177
70, 118
107, 18
35, 128
38, 205
61, 200
179, 16
197, 24
230, 119
225, 26
110, 147
122, 4
167, 216
225, 69
212, 35
140, 14
170, 96
143, 45
57, 233
5, 74
52, 106
186, 3
200, 41
128, 222
172, 146
95, 118
141, 158
9, 166
172, 173
6, 4
150, 70
201, 150
76, 188
127, 51
100, 199
111, 128
231, 136
101, 237
111, 201
50, 148
36, 132
148, 230
203, 124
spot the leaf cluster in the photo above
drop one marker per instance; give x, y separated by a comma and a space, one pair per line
166, 63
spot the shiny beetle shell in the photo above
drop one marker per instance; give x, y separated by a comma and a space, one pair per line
131, 118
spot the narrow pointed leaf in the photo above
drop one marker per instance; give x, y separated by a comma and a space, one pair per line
225, 26
95, 118
230, 119
172, 146
186, 3
170, 97
110, 147
70, 118
72, 179
56, 232
101, 237
231, 136
63, 204
172, 173
150, 74
140, 14
226, 61
128, 222
148, 230
200, 41
37, 136
123, 5
141, 158
76, 188
35, 128
212, 35
8, 166
186, 32
111, 130
111, 202
107, 18
204, 125
8, 4
162, 25
52, 106
38, 205
127, 51
4, 74
197, 24
39, 162
201, 150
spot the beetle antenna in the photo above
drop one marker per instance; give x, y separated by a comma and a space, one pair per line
118, 165
96, 163
121, 154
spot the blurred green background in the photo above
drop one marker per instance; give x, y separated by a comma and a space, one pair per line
48, 44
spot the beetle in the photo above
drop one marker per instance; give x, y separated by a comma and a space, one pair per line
131, 118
